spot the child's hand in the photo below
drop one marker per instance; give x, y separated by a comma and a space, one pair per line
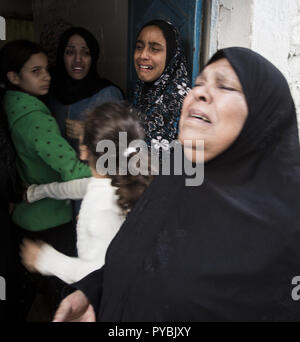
29, 252
24, 194
74, 128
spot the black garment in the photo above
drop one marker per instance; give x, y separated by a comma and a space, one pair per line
9, 192
68, 90
229, 249
38, 296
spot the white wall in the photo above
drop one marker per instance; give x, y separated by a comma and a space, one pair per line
106, 19
270, 27
276, 34
230, 24
2, 28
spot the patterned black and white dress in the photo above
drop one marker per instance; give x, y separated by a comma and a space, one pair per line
159, 104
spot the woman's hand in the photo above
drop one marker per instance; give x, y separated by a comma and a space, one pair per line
74, 128
29, 252
75, 308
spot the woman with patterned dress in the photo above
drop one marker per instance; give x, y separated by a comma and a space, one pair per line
163, 81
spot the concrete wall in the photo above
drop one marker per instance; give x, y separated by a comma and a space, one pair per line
270, 27
2, 28
230, 24
106, 19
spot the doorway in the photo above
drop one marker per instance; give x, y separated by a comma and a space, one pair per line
115, 24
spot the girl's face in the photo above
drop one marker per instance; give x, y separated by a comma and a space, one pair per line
77, 58
34, 77
150, 54
214, 111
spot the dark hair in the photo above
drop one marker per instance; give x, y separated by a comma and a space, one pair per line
13, 55
104, 123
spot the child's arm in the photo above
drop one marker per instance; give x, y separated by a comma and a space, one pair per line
49, 261
75, 189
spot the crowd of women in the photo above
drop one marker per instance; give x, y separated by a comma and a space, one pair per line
144, 248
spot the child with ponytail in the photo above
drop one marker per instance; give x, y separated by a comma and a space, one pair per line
107, 198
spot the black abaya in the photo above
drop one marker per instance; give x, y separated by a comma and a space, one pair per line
9, 192
229, 249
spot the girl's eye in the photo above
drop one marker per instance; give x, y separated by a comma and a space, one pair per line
86, 53
199, 84
35, 71
69, 52
138, 47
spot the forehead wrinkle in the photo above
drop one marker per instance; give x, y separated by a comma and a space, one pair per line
219, 76
155, 43
150, 43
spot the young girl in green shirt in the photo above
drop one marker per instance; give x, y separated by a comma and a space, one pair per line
43, 156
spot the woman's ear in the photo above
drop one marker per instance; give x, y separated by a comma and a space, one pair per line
13, 78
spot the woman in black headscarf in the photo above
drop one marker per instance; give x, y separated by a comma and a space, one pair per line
227, 250
76, 85
163, 82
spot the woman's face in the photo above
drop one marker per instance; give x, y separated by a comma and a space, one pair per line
77, 58
150, 54
214, 111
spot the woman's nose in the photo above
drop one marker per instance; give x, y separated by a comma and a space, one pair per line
78, 57
202, 93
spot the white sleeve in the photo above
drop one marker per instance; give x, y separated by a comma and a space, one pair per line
50, 262
71, 269
75, 189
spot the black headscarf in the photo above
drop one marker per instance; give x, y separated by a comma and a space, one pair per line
169, 33
159, 103
66, 89
270, 106
229, 249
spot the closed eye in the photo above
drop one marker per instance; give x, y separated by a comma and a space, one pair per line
139, 47
226, 88
199, 84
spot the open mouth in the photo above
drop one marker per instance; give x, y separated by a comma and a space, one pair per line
146, 67
202, 117
77, 69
